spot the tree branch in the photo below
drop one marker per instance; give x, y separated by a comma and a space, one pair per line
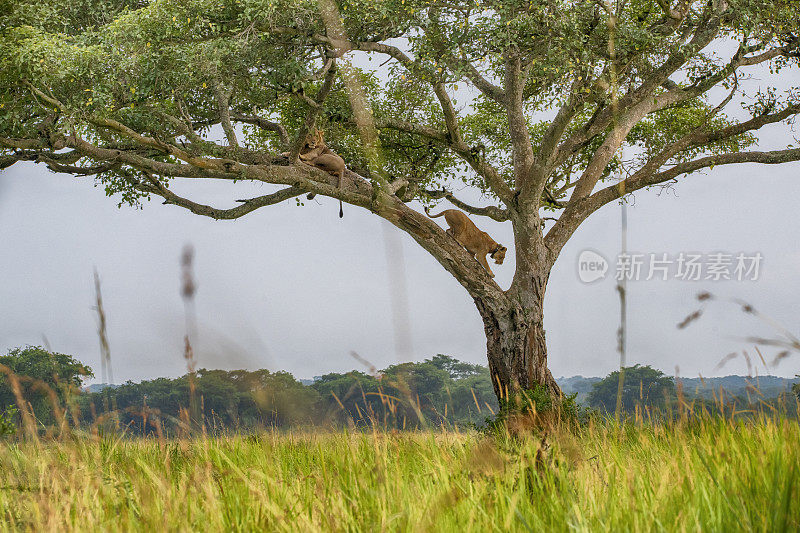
636, 98
455, 141
355, 190
576, 213
224, 111
521, 147
489, 89
676, 15
493, 212
156, 187
415, 129
265, 124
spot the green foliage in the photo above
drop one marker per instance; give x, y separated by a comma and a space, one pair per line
661, 129
8, 423
133, 61
437, 391
644, 388
40, 372
440, 392
538, 399
536, 409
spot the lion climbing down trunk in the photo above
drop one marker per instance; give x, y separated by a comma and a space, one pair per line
478, 243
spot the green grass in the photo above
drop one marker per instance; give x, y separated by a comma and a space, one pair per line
715, 475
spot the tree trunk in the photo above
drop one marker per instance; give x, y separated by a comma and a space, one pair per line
514, 325
516, 348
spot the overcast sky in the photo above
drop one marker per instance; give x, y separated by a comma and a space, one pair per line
295, 288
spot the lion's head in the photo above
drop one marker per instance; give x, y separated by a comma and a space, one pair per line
499, 254
312, 140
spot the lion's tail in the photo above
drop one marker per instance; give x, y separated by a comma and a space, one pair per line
433, 216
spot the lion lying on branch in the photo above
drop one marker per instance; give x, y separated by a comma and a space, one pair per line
316, 153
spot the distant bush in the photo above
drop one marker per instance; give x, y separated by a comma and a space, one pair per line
8, 425
644, 388
41, 372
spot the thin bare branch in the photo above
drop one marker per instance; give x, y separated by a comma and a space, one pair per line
493, 212
264, 124
156, 187
577, 212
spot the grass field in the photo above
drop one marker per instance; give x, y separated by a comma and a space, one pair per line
715, 476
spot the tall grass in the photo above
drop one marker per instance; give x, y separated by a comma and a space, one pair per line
714, 475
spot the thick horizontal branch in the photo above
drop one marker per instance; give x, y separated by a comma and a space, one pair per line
774, 157
749, 125
300, 178
24, 144
7, 160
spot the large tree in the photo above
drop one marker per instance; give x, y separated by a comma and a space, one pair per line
144, 95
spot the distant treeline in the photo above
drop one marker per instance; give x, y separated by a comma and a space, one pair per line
438, 391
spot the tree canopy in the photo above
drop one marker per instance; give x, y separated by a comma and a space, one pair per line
131, 88
536, 103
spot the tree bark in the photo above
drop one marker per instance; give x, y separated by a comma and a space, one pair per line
516, 350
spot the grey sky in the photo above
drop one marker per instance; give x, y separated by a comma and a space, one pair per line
295, 288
